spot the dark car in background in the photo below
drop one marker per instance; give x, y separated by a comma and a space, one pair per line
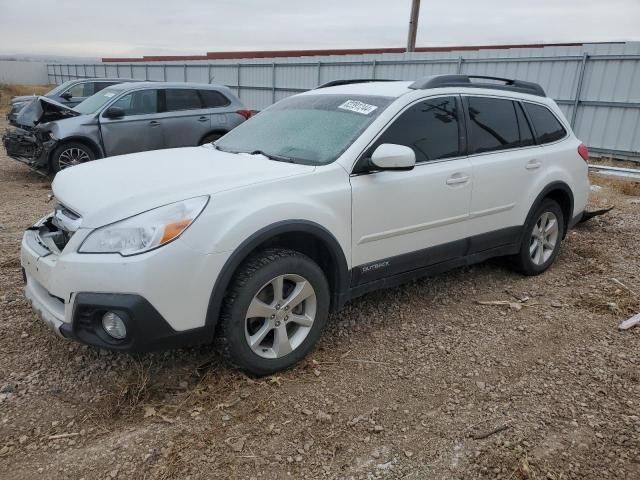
69, 93
121, 119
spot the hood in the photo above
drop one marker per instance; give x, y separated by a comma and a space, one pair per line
22, 98
104, 191
43, 110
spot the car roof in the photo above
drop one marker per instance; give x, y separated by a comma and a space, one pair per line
379, 88
151, 84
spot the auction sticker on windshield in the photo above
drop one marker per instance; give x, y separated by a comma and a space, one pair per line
358, 107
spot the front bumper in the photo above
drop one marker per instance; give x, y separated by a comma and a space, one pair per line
162, 295
25, 147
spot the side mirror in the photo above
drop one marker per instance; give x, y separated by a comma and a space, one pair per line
390, 156
67, 95
114, 112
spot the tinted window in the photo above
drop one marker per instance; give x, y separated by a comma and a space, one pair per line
430, 128
97, 86
213, 99
141, 102
493, 125
182, 99
526, 136
548, 128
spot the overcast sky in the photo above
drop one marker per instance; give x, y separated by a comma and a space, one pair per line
152, 27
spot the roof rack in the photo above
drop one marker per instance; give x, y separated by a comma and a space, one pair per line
510, 84
335, 83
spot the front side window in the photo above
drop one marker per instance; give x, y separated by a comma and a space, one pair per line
548, 128
182, 99
430, 128
142, 102
312, 129
80, 90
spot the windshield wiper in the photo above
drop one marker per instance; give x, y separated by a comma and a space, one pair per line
270, 156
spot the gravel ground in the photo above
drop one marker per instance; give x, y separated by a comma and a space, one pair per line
404, 384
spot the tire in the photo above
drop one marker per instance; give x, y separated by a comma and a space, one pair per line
210, 138
68, 154
538, 250
255, 285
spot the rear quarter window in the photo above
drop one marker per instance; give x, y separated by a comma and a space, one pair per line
547, 127
213, 99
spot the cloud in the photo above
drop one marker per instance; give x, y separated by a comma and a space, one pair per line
144, 27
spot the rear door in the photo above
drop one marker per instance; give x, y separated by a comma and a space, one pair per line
217, 104
505, 163
140, 129
186, 120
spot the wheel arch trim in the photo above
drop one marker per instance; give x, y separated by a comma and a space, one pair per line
261, 236
551, 187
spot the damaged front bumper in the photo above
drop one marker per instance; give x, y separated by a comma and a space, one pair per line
25, 146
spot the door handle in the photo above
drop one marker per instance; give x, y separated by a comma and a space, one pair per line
533, 164
153, 123
203, 119
457, 179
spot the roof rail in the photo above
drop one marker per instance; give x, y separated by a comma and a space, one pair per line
335, 83
510, 84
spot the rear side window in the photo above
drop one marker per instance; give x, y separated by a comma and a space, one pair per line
213, 99
548, 128
494, 125
182, 99
430, 128
526, 135
142, 102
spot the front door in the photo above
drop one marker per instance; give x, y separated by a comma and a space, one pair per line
140, 129
407, 220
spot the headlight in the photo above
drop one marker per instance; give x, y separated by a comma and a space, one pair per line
145, 231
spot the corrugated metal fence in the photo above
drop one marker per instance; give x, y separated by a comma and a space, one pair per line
597, 86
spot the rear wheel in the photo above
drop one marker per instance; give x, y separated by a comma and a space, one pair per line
69, 154
212, 137
541, 240
275, 311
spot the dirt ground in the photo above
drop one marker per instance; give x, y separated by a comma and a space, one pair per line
404, 384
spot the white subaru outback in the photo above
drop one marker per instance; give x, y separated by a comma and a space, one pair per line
322, 197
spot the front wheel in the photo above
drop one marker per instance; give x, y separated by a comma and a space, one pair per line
541, 239
274, 311
69, 154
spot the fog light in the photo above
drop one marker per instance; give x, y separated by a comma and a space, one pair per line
114, 325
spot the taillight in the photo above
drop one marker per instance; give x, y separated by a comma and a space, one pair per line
245, 113
583, 151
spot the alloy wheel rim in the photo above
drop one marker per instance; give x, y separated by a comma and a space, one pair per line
544, 238
72, 156
280, 316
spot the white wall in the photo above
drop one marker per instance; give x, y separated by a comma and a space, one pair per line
26, 73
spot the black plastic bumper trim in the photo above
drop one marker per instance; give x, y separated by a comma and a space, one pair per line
147, 330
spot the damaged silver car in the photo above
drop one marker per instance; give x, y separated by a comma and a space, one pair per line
121, 119
69, 93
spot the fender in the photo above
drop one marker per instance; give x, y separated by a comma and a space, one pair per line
558, 185
341, 279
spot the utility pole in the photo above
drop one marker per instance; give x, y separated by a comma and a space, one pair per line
413, 26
